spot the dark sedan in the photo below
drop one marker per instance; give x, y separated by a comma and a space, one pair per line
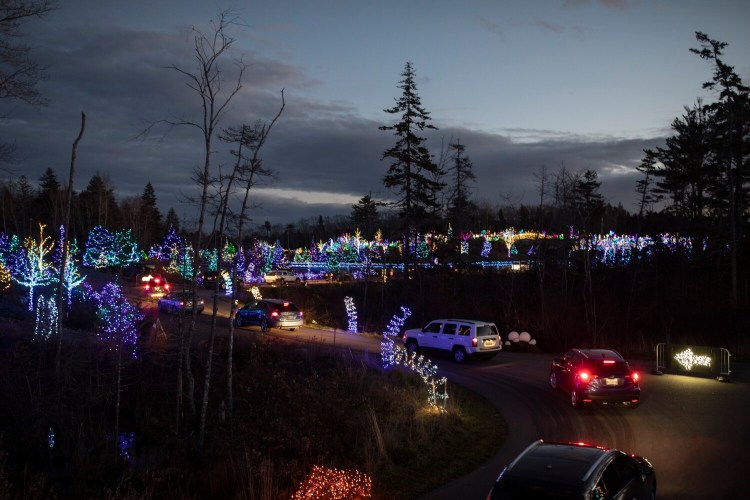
182, 300
595, 375
268, 313
559, 471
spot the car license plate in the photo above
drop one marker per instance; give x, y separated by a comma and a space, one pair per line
611, 381
489, 342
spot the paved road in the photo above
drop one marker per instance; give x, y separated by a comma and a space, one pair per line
694, 431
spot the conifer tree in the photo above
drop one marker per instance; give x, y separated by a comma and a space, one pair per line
411, 173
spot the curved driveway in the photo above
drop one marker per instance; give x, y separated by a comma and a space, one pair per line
695, 431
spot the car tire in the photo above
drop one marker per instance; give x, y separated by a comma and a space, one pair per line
575, 401
264, 325
411, 346
459, 354
553, 379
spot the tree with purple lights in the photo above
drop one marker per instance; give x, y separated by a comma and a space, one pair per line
116, 329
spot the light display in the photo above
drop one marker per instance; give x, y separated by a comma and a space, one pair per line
228, 285
46, 317
72, 278
4, 277
351, 314
125, 444
328, 483
688, 359
105, 249
256, 293
393, 354
31, 268
117, 319
486, 248
51, 438
211, 257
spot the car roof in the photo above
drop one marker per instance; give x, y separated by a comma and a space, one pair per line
597, 354
557, 463
469, 321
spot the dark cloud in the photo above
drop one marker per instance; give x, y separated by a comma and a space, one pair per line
122, 81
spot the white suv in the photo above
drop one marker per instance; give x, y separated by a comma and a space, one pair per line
281, 276
463, 338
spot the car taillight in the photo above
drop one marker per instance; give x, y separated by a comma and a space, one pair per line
474, 342
275, 314
300, 314
148, 286
157, 280
609, 361
182, 303
166, 286
584, 376
635, 376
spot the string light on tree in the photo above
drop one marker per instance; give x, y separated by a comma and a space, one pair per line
46, 317
31, 267
329, 483
351, 314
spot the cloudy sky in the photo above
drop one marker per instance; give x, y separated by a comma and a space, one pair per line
522, 84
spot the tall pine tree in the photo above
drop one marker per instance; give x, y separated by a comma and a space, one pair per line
412, 173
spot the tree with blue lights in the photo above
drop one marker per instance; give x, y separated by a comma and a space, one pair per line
31, 266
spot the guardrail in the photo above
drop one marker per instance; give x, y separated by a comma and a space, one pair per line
693, 360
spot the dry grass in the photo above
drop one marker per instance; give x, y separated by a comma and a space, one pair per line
295, 407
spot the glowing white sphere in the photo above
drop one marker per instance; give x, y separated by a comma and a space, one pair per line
525, 336
532, 342
513, 336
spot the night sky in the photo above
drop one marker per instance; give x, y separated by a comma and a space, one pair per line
587, 84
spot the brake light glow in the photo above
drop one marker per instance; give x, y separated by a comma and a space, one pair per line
474, 342
584, 376
635, 376
275, 314
609, 361
157, 280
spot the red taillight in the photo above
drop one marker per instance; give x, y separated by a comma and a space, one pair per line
166, 286
635, 376
148, 286
157, 280
275, 314
300, 314
584, 376
182, 303
609, 361
474, 342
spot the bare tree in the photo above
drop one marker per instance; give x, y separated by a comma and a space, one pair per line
66, 237
19, 72
208, 80
248, 167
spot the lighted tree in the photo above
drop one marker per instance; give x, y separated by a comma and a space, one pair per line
32, 267
105, 249
72, 277
117, 330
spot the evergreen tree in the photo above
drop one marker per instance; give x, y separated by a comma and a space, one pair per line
365, 214
411, 171
460, 207
588, 201
49, 199
150, 218
172, 220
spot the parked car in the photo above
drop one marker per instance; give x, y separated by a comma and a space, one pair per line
552, 470
595, 375
182, 300
155, 285
281, 276
269, 313
463, 338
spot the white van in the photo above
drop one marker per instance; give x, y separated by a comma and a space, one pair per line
463, 338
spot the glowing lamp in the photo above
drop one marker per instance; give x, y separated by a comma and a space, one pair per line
584, 376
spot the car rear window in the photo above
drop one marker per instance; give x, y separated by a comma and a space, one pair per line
486, 331
285, 307
605, 368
